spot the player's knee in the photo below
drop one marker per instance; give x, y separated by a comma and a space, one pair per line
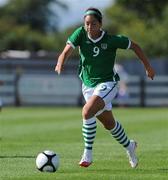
86, 112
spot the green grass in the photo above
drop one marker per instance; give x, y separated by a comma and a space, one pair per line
27, 131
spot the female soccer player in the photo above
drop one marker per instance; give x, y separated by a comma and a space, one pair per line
97, 51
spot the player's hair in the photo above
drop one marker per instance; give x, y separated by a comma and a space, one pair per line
95, 12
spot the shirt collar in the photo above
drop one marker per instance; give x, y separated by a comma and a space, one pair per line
98, 39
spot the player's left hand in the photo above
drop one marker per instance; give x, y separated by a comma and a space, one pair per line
150, 72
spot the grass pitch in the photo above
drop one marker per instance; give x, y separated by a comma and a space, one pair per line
24, 132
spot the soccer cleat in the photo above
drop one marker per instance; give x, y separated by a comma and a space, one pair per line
131, 154
86, 160
85, 164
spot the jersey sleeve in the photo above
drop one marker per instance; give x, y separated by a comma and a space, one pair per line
74, 38
121, 42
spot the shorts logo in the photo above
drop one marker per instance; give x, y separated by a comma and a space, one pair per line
103, 88
104, 46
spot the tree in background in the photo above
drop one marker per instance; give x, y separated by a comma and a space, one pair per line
26, 24
36, 14
32, 25
148, 9
141, 21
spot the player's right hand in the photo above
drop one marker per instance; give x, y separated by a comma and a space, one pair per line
58, 68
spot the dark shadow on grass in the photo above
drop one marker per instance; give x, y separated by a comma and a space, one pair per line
17, 156
156, 171
145, 171
86, 170
163, 170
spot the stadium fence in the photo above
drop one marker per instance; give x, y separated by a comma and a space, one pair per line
32, 81
50, 89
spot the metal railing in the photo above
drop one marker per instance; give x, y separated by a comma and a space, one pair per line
42, 89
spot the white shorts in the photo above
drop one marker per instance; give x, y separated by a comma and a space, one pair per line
107, 91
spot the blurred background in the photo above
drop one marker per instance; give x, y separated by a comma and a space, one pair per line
34, 32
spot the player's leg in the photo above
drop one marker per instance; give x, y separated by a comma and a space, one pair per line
117, 131
93, 105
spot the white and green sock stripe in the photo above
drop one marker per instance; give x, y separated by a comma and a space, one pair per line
119, 134
89, 132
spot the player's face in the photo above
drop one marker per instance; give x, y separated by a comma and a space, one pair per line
92, 26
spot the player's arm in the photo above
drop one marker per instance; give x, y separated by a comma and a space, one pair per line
63, 56
138, 51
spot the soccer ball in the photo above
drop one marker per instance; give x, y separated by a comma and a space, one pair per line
47, 161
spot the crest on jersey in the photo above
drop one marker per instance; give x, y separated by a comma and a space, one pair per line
104, 46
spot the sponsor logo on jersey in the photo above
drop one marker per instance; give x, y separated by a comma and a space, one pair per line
104, 46
88, 42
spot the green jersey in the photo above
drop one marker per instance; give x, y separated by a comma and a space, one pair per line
97, 57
